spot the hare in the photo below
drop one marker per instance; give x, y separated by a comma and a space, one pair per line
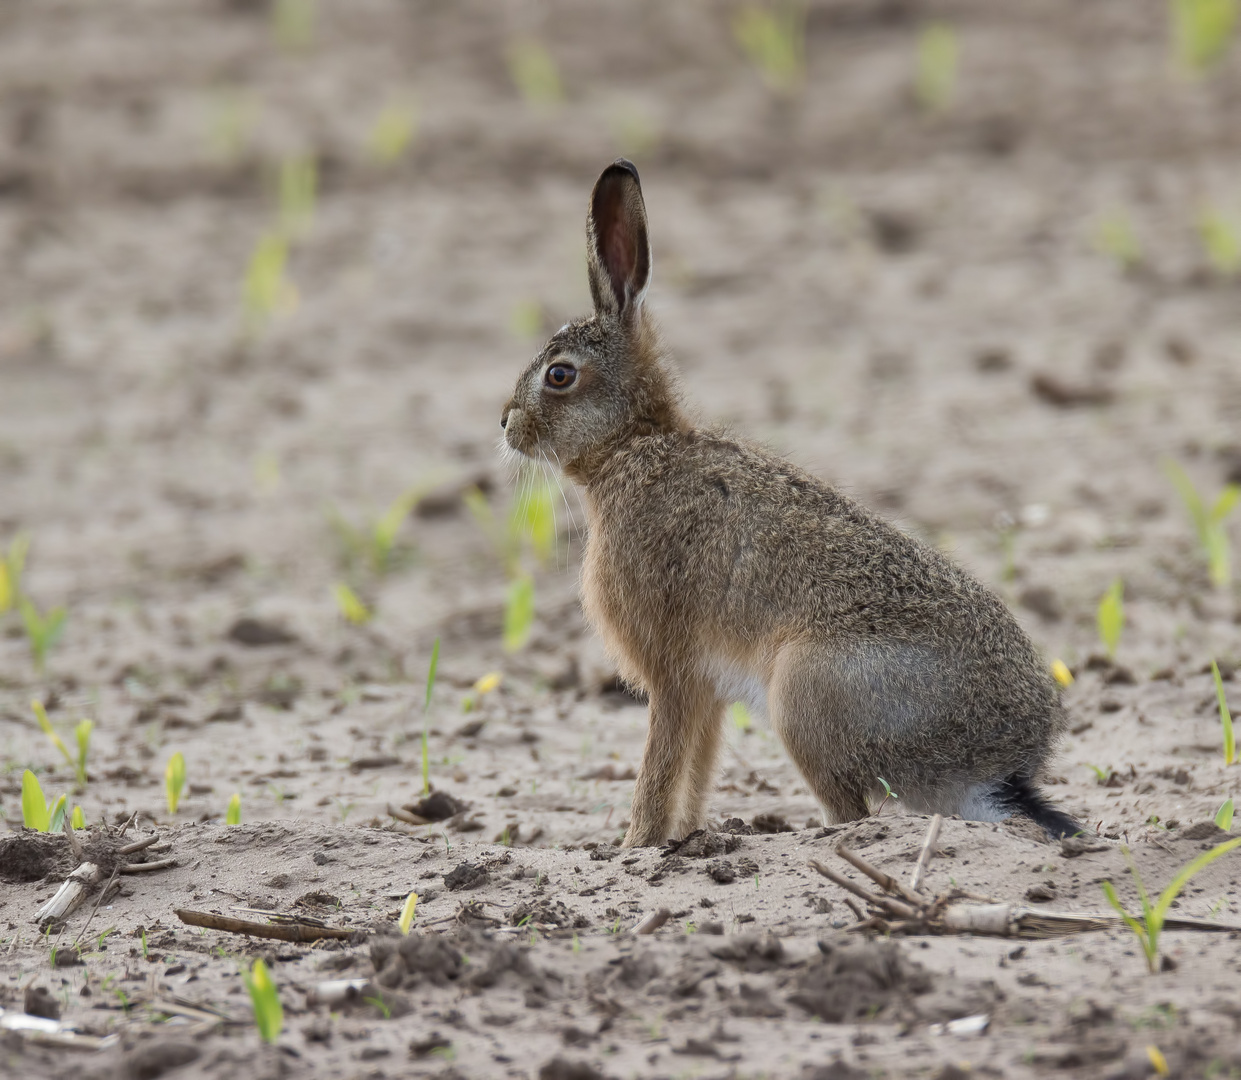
717, 572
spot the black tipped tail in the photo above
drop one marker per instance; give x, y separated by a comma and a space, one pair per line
1018, 795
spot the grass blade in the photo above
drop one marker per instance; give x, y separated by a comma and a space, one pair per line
1225, 717
34, 806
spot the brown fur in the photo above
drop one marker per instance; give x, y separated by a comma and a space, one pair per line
714, 571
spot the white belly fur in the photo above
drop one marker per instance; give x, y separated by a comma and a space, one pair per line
735, 682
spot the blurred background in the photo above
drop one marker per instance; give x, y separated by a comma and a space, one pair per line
270, 269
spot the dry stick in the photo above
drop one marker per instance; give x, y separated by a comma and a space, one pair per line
928, 849
857, 911
74, 842
138, 845
70, 894
883, 903
406, 816
143, 867
98, 900
279, 931
885, 881
650, 923
125, 827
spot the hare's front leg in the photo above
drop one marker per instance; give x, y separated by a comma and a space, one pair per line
677, 716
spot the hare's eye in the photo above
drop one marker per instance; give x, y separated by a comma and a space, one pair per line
561, 376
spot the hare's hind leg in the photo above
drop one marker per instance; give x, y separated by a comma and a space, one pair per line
808, 714
680, 711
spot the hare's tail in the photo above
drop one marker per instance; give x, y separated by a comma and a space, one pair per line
1018, 795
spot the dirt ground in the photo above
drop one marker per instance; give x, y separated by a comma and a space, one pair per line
911, 304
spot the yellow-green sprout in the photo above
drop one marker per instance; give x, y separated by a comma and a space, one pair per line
1111, 616
774, 39
42, 630
35, 812
1209, 521
174, 780
349, 604
265, 1000
11, 565
392, 133
534, 72
407, 912
1061, 673
1202, 31
232, 816
1115, 237
935, 73
1225, 717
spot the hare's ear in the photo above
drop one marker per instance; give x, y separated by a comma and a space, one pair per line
618, 253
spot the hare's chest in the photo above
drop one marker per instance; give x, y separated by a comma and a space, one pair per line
735, 680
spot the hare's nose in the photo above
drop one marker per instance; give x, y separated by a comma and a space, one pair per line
508, 408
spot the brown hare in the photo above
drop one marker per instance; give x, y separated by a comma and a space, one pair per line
716, 572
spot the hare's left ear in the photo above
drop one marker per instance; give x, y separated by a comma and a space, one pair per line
618, 253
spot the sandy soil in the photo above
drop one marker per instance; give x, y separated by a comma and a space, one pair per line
911, 305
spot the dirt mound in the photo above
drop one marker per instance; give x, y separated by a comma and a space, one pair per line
859, 979
32, 856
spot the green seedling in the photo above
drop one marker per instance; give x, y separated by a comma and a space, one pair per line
1221, 242
635, 132
81, 735
1223, 816
78, 818
774, 39
174, 780
374, 545
534, 72
432, 668
45, 725
888, 793
1225, 717
230, 125
1209, 522
392, 133
740, 716
232, 816
385, 1010
350, 605
483, 686
145, 951
11, 566
1110, 617
527, 320
293, 23
935, 73
42, 630
1114, 236
1202, 31
1061, 673
518, 613
408, 912
35, 811
265, 1000
265, 290
297, 187
1153, 915
1101, 775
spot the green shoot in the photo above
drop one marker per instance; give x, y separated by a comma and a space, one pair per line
232, 816
888, 793
1221, 242
349, 605
1201, 31
1223, 816
1110, 617
534, 72
1114, 236
527, 320
392, 133
43, 631
174, 780
740, 716
45, 725
384, 1008
935, 75
265, 1000
483, 686
1101, 775
426, 710
265, 290
1061, 673
35, 813
408, 912
78, 818
774, 39
1209, 522
293, 22
1225, 717
81, 734
232, 120
375, 545
298, 184
432, 668
1153, 915
11, 566
146, 954
519, 613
